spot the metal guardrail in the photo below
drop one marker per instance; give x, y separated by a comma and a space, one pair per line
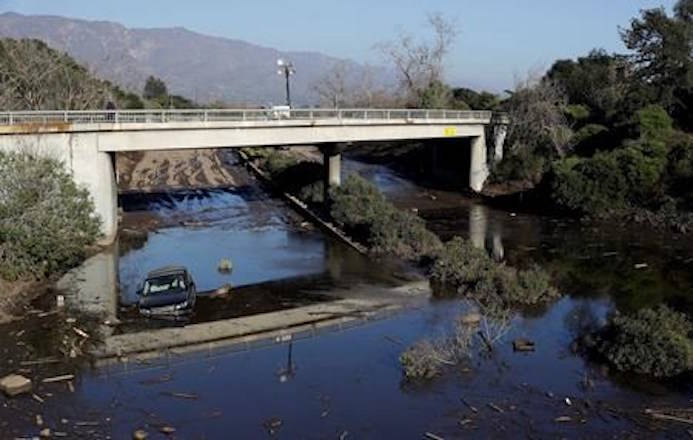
231, 115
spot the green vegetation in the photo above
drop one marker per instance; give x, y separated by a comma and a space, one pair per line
462, 269
654, 342
610, 134
46, 222
35, 77
364, 212
157, 95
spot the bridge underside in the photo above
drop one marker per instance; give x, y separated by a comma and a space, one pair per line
88, 149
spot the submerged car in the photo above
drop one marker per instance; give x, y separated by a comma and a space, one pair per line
169, 291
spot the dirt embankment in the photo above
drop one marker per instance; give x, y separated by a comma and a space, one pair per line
155, 171
16, 296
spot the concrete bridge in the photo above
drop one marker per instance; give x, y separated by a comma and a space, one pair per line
86, 141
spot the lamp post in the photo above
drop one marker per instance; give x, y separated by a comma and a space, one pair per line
286, 68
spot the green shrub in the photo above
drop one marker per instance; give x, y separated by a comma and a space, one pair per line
524, 164
654, 342
466, 270
357, 202
654, 123
461, 266
590, 138
312, 193
577, 112
275, 162
365, 213
403, 234
46, 222
594, 185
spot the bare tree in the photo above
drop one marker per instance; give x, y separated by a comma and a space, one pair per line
35, 77
332, 88
537, 119
420, 64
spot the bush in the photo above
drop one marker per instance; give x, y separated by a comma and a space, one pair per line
463, 269
365, 213
592, 186
357, 202
524, 164
275, 162
654, 342
461, 266
427, 358
590, 139
421, 361
46, 222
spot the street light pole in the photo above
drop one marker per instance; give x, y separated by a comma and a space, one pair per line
286, 68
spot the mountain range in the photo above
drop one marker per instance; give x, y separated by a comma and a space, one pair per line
197, 66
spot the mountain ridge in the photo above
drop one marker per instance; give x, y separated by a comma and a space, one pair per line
202, 67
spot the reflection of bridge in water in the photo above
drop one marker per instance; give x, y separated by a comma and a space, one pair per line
484, 235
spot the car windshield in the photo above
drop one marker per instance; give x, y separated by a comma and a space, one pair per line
163, 285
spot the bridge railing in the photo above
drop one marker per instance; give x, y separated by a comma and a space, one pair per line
231, 115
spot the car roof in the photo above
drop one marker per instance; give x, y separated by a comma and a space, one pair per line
167, 270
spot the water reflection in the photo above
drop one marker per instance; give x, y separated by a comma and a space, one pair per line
628, 263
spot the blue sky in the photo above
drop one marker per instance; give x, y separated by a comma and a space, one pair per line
499, 41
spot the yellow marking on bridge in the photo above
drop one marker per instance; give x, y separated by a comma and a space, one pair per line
450, 131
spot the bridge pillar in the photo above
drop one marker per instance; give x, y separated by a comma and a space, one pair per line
478, 171
94, 170
500, 132
332, 161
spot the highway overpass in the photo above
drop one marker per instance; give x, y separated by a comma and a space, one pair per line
87, 140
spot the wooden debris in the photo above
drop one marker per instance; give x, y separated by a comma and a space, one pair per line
495, 407
431, 436
63, 378
167, 430
85, 424
187, 396
563, 419
667, 417
80, 332
37, 398
50, 360
468, 405
522, 344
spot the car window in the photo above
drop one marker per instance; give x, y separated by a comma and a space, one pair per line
165, 284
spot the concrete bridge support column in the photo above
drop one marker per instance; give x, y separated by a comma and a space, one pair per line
94, 170
332, 161
478, 172
500, 132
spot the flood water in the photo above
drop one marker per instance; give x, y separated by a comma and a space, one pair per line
348, 383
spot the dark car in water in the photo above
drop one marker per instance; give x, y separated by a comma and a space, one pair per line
169, 291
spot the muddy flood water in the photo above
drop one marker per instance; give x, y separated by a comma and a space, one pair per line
346, 383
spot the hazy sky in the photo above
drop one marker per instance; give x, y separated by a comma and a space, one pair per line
499, 40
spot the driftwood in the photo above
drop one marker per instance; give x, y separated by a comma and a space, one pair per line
667, 417
62, 378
